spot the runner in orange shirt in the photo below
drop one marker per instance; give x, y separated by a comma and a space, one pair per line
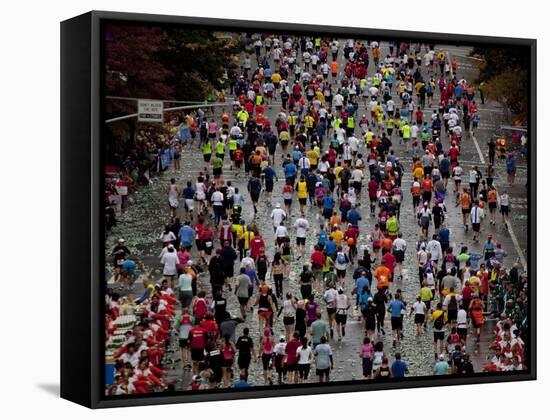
465, 204
382, 275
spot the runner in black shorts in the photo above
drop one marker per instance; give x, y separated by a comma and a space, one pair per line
396, 323
439, 336
399, 255
197, 355
419, 318
245, 347
184, 343
341, 319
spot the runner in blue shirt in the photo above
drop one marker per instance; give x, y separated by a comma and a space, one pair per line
331, 247
290, 172
328, 205
398, 368
296, 155
395, 307
360, 284
458, 92
242, 383
353, 216
186, 234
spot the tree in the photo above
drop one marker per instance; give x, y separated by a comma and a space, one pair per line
504, 73
132, 67
199, 61
161, 63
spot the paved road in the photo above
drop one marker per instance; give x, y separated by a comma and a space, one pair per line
147, 214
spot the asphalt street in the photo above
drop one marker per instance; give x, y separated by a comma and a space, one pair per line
147, 214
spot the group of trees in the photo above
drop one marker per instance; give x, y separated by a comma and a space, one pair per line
504, 72
167, 63
162, 63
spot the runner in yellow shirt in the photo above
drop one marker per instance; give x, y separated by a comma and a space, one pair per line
313, 156
301, 188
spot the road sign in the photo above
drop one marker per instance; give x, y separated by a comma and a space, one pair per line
150, 111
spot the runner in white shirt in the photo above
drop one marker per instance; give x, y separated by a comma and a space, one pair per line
434, 248
278, 215
302, 226
330, 297
475, 219
304, 163
504, 203
305, 357
323, 167
314, 60
217, 205
235, 131
357, 176
346, 155
354, 144
419, 309
277, 54
281, 232
462, 323
390, 106
457, 178
338, 100
414, 131
342, 306
340, 135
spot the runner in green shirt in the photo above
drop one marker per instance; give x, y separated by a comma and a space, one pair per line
220, 149
207, 152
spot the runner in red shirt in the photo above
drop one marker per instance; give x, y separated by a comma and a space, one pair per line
291, 358
389, 260
256, 244
373, 190
317, 259
211, 327
197, 341
453, 153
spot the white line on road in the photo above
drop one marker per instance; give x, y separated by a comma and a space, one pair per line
515, 242
481, 158
518, 248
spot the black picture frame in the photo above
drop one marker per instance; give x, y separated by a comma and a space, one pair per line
82, 244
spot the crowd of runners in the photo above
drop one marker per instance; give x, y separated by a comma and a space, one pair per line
351, 124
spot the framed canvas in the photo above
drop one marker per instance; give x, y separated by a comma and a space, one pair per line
257, 209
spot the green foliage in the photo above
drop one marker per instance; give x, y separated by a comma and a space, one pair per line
167, 63
160, 63
504, 74
198, 61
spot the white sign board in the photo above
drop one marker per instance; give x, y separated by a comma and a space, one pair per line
150, 111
